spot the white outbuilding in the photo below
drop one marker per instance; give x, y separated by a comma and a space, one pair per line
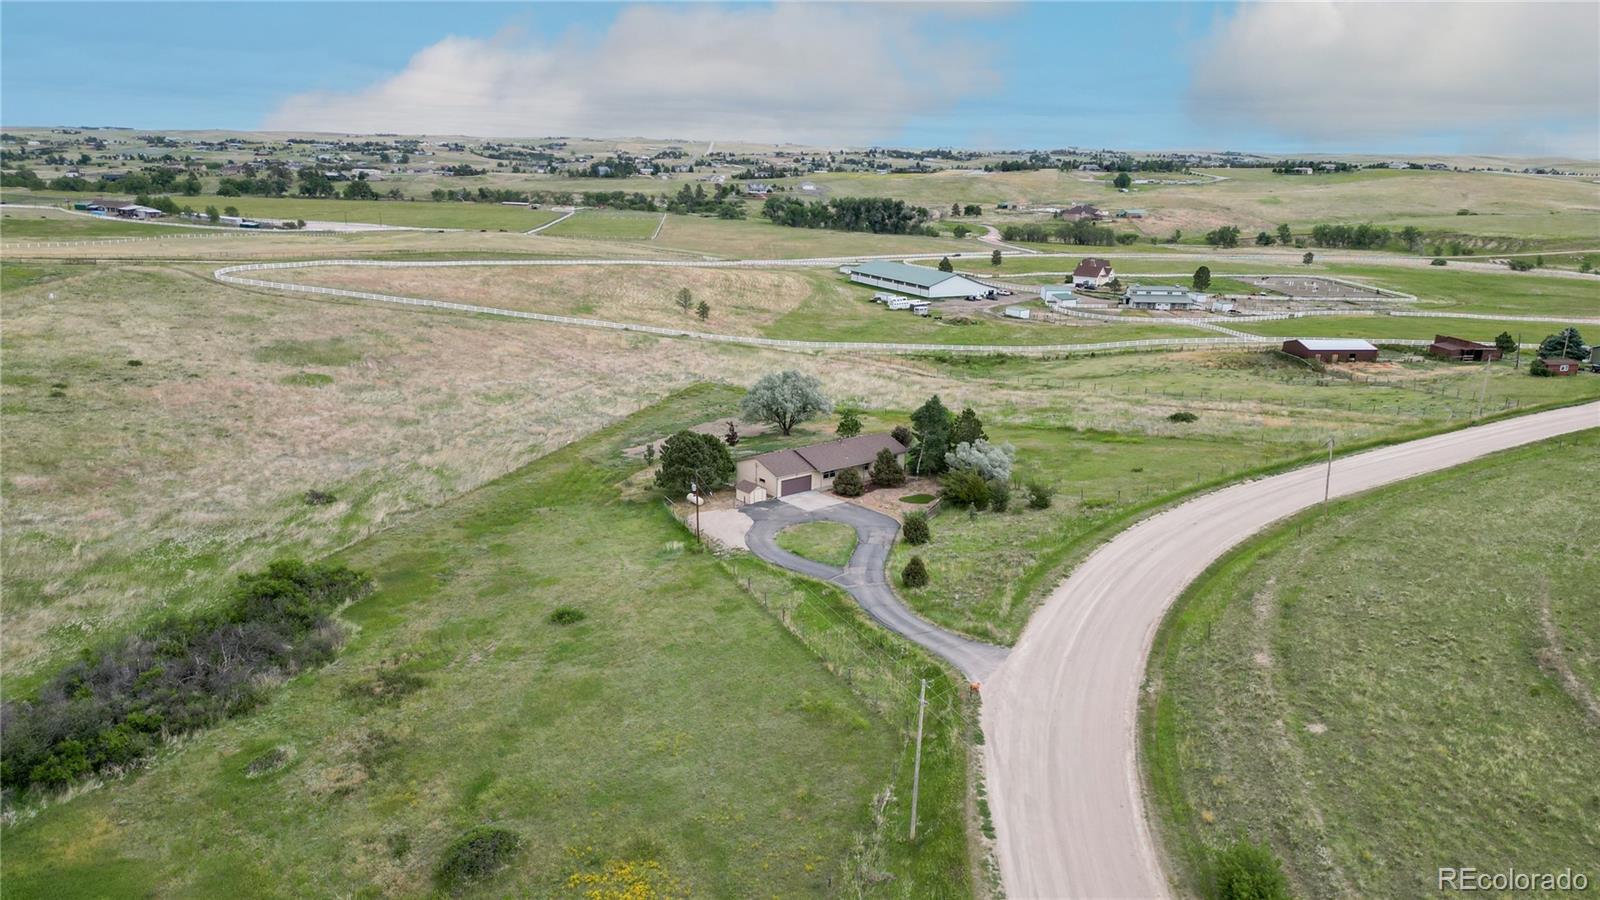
919, 281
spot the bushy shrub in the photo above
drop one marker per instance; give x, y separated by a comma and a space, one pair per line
848, 483
965, 487
1439, 261
1183, 415
386, 687
1039, 495
915, 530
999, 495
319, 498
1246, 871
690, 457
478, 854
902, 434
566, 615
886, 470
992, 461
113, 707
915, 574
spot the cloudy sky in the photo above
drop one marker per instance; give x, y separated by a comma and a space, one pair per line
1277, 77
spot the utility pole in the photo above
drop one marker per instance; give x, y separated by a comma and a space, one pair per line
916, 765
1483, 392
1518, 364
1327, 483
696, 499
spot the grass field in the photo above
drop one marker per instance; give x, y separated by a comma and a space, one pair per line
1375, 715
413, 213
1442, 290
826, 542
757, 238
39, 225
607, 224
1102, 438
676, 723
793, 304
1400, 327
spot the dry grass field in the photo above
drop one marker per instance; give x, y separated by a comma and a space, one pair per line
742, 301
130, 490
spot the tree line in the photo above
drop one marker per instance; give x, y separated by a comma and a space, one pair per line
878, 215
1082, 233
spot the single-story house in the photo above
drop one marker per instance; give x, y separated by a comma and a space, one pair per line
1559, 365
918, 280
1092, 273
1164, 296
1082, 211
1331, 349
813, 468
1058, 297
1461, 348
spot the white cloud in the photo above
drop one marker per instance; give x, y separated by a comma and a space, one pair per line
1516, 75
804, 73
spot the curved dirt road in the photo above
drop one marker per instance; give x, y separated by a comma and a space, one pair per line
1060, 715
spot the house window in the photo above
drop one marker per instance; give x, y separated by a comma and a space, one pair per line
829, 474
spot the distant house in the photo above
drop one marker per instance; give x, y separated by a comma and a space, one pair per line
1558, 365
757, 189
1460, 348
1131, 214
781, 473
1082, 212
918, 280
1331, 349
1092, 273
1163, 296
1302, 170
1088, 167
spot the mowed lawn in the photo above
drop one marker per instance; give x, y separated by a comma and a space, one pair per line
826, 542
1400, 685
677, 724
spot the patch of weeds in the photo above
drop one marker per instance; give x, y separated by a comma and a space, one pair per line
566, 615
386, 687
135, 362
306, 379
477, 855
1183, 415
399, 844
830, 711
269, 762
324, 352
319, 498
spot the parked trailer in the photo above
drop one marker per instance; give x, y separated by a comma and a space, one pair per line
920, 308
899, 303
1018, 312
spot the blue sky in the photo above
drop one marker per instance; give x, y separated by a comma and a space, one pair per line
1126, 75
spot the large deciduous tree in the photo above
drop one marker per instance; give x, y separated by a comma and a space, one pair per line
992, 461
784, 399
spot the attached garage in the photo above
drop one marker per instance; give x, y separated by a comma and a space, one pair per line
784, 473
795, 485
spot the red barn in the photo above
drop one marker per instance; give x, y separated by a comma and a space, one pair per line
1460, 348
1331, 349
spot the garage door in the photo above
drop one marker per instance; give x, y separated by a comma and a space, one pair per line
794, 485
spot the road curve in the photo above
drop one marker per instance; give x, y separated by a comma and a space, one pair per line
864, 579
1060, 714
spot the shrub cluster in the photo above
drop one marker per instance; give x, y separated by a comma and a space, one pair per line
115, 705
915, 574
476, 855
1039, 495
916, 528
1246, 871
1183, 415
848, 483
566, 615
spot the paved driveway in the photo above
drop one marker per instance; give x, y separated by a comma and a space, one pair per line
864, 577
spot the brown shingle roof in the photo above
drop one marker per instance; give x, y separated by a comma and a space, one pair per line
831, 456
1092, 267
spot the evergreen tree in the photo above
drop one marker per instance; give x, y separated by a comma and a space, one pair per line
945, 265
915, 574
1285, 236
849, 424
689, 457
1567, 342
886, 470
1202, 278
1505, 342
930, 425
994, 258
967, 428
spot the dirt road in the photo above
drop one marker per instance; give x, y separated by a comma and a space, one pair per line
1060, 714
